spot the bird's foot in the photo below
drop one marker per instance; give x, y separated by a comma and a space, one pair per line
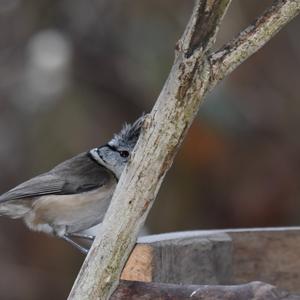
74, 244
82, 236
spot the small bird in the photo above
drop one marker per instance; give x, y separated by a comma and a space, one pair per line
75, 194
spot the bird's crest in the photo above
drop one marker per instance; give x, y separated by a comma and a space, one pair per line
129, 134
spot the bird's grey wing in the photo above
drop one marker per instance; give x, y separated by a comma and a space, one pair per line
76, 175
82, 174
40, 185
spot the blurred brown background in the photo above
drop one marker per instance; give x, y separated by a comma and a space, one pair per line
72, 71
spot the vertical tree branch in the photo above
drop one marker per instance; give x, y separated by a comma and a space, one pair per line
191, 76
203, 26
163, 131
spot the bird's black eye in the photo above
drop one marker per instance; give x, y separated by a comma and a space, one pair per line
124, 153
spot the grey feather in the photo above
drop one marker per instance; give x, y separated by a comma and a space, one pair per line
129, 134
76, 175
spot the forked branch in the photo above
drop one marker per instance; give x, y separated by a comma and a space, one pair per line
194, 73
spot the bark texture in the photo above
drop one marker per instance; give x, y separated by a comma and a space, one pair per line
161, 291
191, 76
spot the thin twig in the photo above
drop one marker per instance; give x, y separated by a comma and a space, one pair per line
250, 40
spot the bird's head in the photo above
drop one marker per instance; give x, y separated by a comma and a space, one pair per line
115, 154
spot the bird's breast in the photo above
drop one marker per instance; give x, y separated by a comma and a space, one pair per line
71, 213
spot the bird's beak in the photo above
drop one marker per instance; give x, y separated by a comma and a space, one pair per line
95, 153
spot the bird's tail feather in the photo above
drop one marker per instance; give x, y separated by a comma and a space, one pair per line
13, 210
